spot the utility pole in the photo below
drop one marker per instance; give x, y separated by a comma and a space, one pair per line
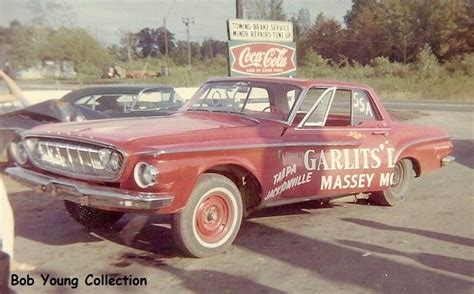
166, 46
295, 31
187, 21
239, 8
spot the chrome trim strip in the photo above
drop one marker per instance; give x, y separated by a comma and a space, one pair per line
89, 195
75, 139
447, 160
250, 146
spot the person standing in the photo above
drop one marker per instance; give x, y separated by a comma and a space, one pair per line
6, 237
7, 225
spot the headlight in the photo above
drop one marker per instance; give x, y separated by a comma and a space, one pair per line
18, 152
145, 174
104, 156
115, 161
110, 160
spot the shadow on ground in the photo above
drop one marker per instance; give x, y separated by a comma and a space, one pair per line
463, 152
424, 233
345, 263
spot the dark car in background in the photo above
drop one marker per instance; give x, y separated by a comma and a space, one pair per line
101, 102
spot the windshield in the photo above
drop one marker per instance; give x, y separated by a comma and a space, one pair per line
158, 99
257, 99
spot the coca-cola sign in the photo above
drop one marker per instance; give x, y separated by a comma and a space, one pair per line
262, 58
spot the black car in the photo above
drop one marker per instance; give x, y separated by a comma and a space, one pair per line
91, 103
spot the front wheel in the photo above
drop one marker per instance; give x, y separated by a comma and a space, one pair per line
211, 219
92, 217
400, 187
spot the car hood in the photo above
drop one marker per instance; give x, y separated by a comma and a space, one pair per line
152, 133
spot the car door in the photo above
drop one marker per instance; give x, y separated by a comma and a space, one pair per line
325, 154
295, 180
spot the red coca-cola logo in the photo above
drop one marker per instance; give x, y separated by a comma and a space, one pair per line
262, 59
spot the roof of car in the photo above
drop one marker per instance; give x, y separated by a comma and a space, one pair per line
110, 89
294, 81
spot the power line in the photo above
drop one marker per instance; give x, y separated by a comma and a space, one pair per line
171, 8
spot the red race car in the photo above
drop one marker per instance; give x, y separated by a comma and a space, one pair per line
239, 144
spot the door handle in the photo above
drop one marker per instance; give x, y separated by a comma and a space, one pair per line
380, 133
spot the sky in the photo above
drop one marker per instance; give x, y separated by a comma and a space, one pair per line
106, 19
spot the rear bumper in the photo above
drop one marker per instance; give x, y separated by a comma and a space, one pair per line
447, 160
90, 195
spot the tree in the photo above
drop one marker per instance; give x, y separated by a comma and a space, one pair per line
210, 48
76, 45
180, 54
161, 33
397, 29
49, 13
324, 38
25, 45
304, 20
301, 27
148, 42
275, 10
129, 43
264, 9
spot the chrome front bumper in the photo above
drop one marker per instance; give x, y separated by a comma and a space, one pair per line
90, 195
447, 160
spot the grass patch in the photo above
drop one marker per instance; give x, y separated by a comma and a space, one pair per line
408, 85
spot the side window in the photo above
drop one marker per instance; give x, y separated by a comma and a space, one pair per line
362, 109
340, 111
309, 100
311, 97
317, 114
87, 101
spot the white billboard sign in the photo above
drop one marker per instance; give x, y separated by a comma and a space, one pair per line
260, 30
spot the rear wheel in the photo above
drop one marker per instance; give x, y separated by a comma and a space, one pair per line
400, 188
92, 217
211, 219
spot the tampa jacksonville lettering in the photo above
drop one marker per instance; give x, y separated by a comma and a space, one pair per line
285, 182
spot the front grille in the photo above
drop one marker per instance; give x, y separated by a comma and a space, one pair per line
74, 159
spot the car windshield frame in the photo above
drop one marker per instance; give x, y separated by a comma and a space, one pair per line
205, 90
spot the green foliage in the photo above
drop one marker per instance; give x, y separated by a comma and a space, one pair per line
88, 71
396, 29
460, 65
315, 60
30, 44
315, 65
26, 42
383, 67
427, 64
